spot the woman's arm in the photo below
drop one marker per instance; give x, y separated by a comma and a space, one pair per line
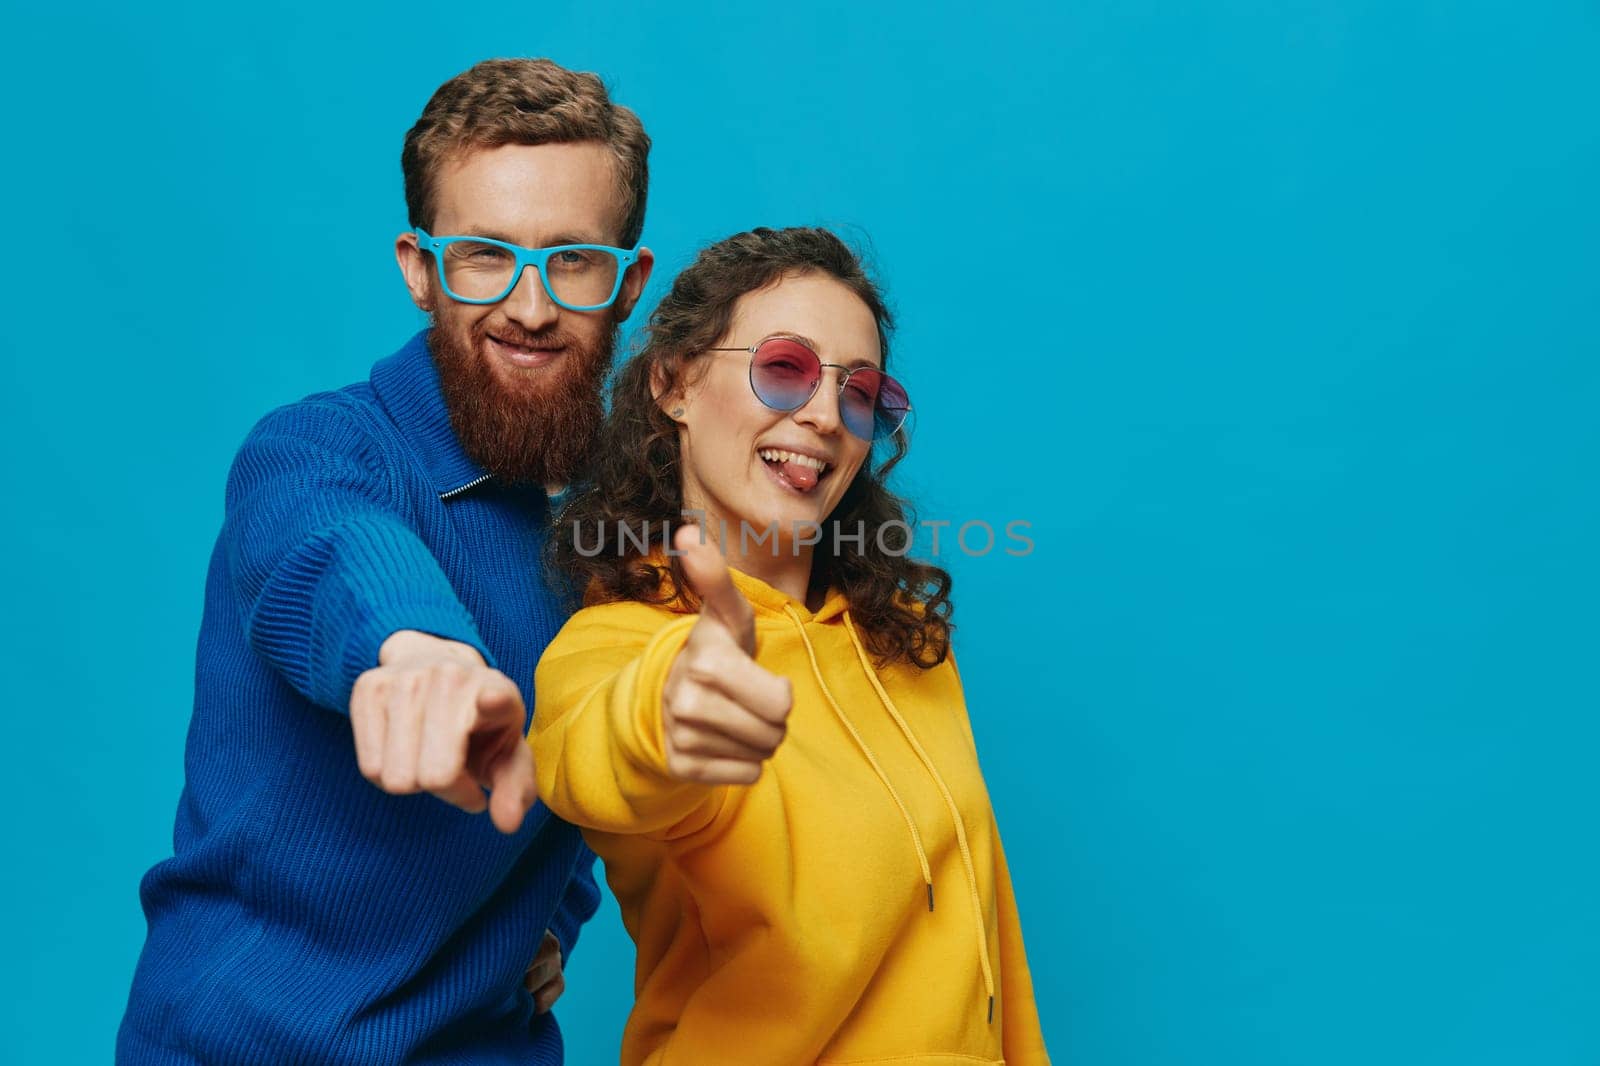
597, 741
1021, 1036
643, 719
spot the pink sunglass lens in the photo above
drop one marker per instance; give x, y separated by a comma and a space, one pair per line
784, 374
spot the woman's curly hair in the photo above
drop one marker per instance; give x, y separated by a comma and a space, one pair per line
902, 606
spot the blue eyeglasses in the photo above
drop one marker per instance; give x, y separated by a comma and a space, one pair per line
481, 270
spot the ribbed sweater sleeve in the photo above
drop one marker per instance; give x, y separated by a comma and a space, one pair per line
578, 905
324, 566
597, 740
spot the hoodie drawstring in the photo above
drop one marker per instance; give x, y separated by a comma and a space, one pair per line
949, 802
927, 763
872, 760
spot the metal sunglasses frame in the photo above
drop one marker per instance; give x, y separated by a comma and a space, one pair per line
844, 379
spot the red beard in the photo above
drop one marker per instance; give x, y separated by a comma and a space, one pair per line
535, 427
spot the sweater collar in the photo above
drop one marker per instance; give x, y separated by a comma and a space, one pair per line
407, 384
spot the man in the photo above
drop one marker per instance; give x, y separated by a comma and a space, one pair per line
373, 615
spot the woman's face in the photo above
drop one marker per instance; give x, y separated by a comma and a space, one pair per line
733, 446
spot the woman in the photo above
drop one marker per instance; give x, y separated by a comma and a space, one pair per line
770, 750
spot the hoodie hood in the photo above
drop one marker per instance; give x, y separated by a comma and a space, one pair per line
771, 603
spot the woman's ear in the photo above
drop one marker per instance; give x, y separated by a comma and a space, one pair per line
670, 401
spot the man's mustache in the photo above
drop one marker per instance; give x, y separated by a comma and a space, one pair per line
543, 341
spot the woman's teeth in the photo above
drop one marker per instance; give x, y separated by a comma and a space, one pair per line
777, 455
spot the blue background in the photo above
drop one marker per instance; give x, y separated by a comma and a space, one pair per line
1277, 320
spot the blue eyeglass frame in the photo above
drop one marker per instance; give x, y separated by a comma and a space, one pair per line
526, 257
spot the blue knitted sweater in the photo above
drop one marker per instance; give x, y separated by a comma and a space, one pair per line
306, 916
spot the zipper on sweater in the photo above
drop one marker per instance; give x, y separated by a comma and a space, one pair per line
474, 483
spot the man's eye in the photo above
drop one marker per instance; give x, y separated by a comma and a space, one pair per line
478, 253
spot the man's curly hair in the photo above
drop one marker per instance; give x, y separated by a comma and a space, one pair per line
524, 101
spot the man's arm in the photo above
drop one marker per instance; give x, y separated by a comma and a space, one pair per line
546, 978
324, 566
579, 904
338, 592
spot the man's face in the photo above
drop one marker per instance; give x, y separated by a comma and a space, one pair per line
522, 378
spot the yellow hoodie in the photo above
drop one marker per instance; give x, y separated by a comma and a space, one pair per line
851, 906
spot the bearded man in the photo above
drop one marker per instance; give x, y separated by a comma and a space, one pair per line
373, 613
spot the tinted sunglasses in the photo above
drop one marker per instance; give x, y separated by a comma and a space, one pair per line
785, 374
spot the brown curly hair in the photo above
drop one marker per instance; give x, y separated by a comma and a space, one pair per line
902, 606
524, 101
